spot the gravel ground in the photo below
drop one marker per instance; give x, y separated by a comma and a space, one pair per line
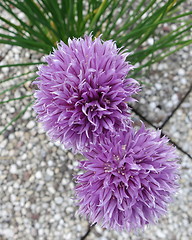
166, 85
36, 175
181, 132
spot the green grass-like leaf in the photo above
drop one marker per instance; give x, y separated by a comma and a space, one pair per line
13, 99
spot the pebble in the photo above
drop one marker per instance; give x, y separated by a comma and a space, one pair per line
57, 217
58, 200
50, 163
3, 143
183, 80
12, 110
27, 115
51, 189
158, 86
152, 105
160, 234
30, 124
150, 41
181, 72
13, 169
174, 98
49, 172
38, 175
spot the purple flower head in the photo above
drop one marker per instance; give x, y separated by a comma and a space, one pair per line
83, 91
129, 179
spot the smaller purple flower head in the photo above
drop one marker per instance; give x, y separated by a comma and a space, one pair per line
129, 179
83, 91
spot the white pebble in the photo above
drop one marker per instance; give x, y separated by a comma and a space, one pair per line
58, 200
160, 234
174, 27
152, 105
119, 21
49, 172
51, 189
40, 231
181, 72
64, 181
50, 163
174, 98
13, 197
16, 185
183, 80
27, 115
30, 124
3, 143
150, 41
57, 217
13, 169
158, 86
169, 105
38, 175
12, 110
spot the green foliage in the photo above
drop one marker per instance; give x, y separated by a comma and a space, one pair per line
130, 23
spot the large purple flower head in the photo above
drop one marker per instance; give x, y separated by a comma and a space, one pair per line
83, 91
129, 178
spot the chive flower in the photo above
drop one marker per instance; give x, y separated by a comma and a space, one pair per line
83, 91
128, 179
